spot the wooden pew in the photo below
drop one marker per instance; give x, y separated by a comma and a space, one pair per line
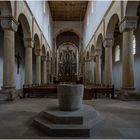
37, 90
105, 90
90, 91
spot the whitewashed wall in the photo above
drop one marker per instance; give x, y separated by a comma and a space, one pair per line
44, 19
64, 25
93, 18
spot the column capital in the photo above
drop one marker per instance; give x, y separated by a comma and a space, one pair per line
92, 57
28, 42
44, 58
128, 23
9, 23
98, 52
88, 60
48, 60
108, 42
38, 52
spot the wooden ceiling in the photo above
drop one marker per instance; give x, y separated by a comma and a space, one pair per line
68, 10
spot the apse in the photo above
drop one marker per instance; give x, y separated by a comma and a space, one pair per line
67, 56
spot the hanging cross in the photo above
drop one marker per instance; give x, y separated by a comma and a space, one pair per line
18, 58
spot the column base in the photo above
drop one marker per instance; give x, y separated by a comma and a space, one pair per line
9, 93
129, 94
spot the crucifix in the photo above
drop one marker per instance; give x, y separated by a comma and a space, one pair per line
18, 58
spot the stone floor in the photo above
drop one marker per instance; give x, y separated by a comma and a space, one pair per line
122, 118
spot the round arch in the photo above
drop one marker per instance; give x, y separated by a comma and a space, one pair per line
44, 53
25, 26
48, 55
99, 41
36, 42
67, 43
87, 54
67, 30
67, 36
111, 26
92, 49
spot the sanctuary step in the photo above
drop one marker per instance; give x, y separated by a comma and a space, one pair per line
84, 122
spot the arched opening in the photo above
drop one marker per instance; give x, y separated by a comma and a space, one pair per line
92, 50
19, 57
25, 26
114, 33
112, 26
68, 55
87, 56
22, 34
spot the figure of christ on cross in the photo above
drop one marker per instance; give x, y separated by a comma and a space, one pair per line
18, 58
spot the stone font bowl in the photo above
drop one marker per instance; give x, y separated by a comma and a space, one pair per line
70, 96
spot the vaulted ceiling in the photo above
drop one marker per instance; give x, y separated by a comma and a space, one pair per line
68, 10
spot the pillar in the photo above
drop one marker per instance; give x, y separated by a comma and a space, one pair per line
98, 66
127, 25
48, 71
38, 66
108, 43
84, 71
28, 61
92, 69
51, 70
9, 26
89, 70
44, 76
86, 76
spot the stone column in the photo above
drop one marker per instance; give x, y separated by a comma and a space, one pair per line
85, 72
98, 66
89, 70
51, 70
38, 66
28, 60
57, 59
44, 76
48, 71
92, 69
82, 70
10, 27
108, 43
127, 25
